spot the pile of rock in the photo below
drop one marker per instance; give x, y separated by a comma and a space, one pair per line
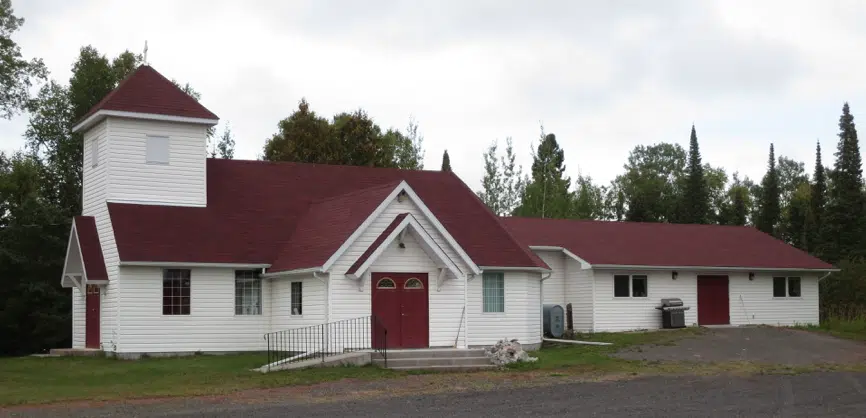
506, 352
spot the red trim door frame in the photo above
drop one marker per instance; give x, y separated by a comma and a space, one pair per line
91, 317
401, 302
713, 300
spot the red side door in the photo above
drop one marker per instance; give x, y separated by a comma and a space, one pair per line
713, 302
91, 317
400, 301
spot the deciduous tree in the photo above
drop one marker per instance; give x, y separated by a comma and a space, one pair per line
17, 74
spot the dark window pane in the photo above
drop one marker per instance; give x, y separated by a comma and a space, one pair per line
778, 287
639, 286
794, 287
166, 309
184, 310
620, 286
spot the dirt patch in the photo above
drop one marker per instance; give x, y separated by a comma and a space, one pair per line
767, 345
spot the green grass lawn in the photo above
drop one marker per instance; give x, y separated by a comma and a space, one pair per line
852, 329
26, 380
32, 380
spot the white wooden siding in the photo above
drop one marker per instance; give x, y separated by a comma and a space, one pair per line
95, 194
446, 306
78, 312
211, 326
579, 292
752, 302
623, 314
554, 287
313, 292
522, 316
180, 182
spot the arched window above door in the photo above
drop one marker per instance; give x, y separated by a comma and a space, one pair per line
385, 283
413, 283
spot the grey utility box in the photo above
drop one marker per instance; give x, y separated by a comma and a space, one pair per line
554, 318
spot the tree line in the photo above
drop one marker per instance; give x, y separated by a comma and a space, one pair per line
823, 214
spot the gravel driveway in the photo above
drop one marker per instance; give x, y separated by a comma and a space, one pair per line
807, 395
755, 344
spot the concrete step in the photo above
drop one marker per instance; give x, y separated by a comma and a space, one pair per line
433, 361
76, 352
431, 353
450, 369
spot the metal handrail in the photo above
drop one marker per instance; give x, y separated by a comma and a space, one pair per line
327, 340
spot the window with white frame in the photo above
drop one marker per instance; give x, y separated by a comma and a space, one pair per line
786, 287
297, 298
248, 292
636, 286
94, 153
493, 292
157, 149
175, 292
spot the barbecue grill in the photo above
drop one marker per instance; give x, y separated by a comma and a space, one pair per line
673, 313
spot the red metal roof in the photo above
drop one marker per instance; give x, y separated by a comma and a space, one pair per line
294, 215
376, 243
661, 244
91, 251
147, 91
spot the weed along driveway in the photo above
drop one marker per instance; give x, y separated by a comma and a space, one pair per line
760, 345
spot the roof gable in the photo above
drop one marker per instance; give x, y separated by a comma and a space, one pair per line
663, 245
84, 252
146, 91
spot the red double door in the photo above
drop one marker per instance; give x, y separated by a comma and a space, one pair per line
713, 302
400, 302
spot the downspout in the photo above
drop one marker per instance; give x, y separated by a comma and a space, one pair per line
541, 303
824, 276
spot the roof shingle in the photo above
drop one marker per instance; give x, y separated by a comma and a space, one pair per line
147, 91
662, 244
294, 215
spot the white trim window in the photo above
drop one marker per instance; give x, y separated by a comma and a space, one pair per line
248, 292
787, 287
297, 303
635, 286
176, 290
493, 292
157, 150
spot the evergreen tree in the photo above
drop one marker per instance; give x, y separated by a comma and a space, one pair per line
770, 211
695, 201
446, 162
547, 195
843, 224
817, 202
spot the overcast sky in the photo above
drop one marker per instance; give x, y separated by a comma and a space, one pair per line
603, 76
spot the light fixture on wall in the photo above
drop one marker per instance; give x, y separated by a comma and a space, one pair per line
674, 275
751, 276
401, 196
401, 245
